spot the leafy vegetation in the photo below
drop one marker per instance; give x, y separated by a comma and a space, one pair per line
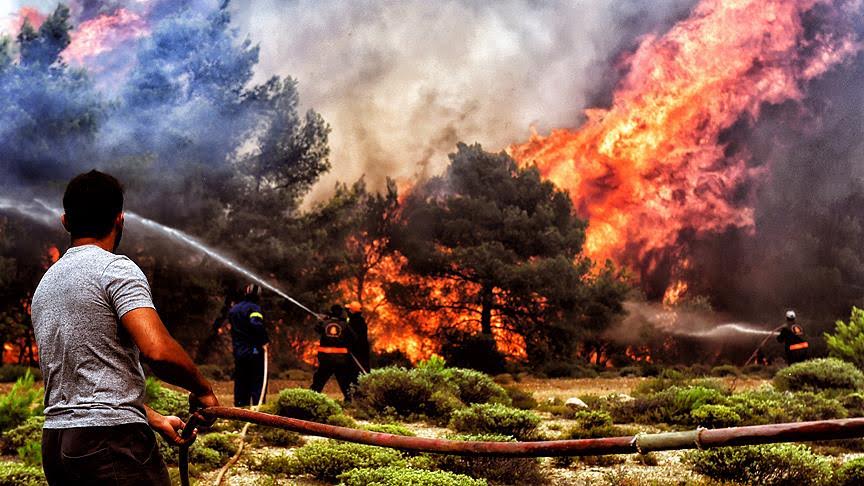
818, 375
327, 459
18, 474
494, 418
20, 403
847, 342
498, 470
165, 400
402, 475
304, 404
770, 465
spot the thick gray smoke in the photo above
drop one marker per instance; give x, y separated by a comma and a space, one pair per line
402, 82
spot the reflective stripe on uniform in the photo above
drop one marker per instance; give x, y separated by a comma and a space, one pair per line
256, 314
794, 347
328, 350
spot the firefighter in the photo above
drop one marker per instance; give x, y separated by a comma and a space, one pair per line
249, 339
334, 352
794, 342
361, 346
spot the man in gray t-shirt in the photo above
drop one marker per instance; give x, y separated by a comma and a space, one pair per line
93, 317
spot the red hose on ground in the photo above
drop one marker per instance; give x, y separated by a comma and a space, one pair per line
640, 443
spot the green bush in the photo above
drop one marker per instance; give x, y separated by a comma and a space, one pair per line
521, 399
306, 404
21, 402
273, 436
592, 419
165, 400
395, 429
667, 379
12, 372
672, 405
205, 458
725, 370
225, 444
395, 392
30, 430
402, 475
818, 375
31, 453
476, 387
770, 465
17, 474
847, 342
851, 473
327, 459
502, 470
494, 418
854, 404
715, 416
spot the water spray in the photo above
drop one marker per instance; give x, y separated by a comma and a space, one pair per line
726, 329
44, 213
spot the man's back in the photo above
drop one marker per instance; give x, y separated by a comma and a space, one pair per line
90, 365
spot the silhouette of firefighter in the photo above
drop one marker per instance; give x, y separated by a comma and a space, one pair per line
360, 350
336, 342
794, 342
249, 338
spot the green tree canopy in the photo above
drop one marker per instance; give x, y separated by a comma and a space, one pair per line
507, 247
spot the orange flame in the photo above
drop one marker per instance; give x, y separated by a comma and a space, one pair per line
652, 165
103, 34
13, 22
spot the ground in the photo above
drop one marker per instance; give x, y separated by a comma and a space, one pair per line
624, 470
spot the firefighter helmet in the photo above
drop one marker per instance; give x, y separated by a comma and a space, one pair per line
790, 315
252, 292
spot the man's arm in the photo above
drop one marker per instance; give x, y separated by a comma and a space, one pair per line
165, 356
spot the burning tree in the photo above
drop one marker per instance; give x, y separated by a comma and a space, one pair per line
501, 248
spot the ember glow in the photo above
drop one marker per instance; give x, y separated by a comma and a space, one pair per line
653, 166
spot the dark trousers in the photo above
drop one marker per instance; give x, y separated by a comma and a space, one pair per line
797, 355
120, 455
248, 380
342, 366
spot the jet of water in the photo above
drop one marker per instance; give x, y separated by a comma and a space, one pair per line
724, 330
45, 213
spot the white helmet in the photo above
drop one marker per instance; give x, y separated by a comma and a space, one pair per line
790, 315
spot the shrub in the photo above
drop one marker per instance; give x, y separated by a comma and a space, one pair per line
395, 429
396, 392
725, 370
31, 453
847, 342
306, 404
326, 460
672, 405
12, 372
476, 387
17, 474
506, 470
496, 419
770, 465
278, 437
20, 403
715, 416
520, 399
592, 419
854, 404
817, 375
668, 378
205, 457
851, 473
402, 475
30, 430
165, 400
225, 444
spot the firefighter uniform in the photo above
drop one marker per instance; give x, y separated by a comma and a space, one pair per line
357, 324
794, 343
334, 358
248, 337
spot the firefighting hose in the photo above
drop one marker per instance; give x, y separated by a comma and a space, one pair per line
641, 443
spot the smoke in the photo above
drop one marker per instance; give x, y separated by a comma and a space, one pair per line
402, 82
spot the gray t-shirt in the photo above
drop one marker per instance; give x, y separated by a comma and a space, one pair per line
90, 364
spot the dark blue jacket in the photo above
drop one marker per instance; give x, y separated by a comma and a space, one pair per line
247, 329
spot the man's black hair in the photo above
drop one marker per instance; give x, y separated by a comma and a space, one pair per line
92, 202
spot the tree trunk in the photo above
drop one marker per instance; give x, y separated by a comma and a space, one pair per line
486, 310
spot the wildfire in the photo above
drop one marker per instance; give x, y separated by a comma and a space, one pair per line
104, 34
13, 22
653, 164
